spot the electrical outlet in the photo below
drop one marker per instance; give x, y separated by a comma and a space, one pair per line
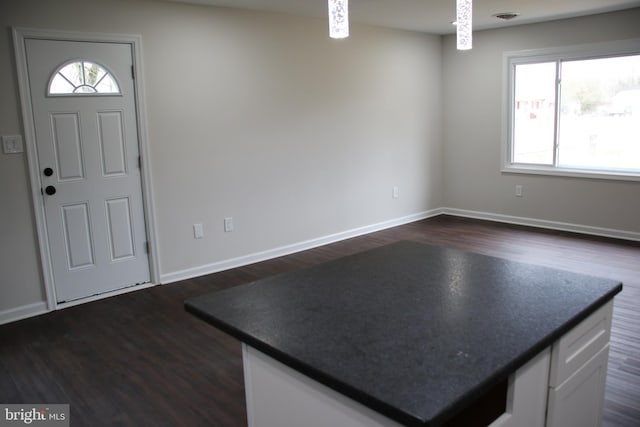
395, 192
228, 224
198, 231
518, 190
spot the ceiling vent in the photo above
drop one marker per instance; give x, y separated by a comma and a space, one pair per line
506, 16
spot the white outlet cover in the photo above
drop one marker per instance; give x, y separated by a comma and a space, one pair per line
12, 144
198, 231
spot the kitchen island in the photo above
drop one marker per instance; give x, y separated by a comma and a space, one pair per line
413, 334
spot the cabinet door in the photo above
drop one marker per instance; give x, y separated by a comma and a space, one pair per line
527, 394
278, 396
577, 402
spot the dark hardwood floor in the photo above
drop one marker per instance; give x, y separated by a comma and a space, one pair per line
139, 359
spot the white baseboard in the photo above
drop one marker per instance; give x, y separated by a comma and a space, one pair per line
37, 308
310, 244
553, 225
289, 249
19, 313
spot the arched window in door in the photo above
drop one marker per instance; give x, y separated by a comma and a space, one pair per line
80, 77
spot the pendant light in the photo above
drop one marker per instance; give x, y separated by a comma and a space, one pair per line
338, 19
464, 24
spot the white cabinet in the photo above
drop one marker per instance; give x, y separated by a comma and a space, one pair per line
527, 394
577, 402
579, 371
278, 396
580, 344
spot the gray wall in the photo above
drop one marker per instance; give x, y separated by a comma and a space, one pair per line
473, 125
252, 115
262, 117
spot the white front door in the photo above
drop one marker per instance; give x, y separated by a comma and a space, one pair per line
84, 115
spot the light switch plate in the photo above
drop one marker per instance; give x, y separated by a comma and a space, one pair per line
12, 144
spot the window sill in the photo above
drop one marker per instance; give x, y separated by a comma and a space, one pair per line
573, 173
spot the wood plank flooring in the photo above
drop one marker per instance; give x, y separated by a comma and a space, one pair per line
139, 359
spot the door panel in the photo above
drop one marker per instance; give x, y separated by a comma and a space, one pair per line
95, 218
112, 143
67, 146
77, 233
120, 233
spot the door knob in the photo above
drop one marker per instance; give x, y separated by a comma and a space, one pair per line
50, 190
47, 171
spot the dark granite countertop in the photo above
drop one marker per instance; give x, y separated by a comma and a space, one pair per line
413, 331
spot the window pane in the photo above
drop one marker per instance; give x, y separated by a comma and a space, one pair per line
107, 85
73, 73
91, 73
84, 89
533, 113
600, 114
60, 85
82, 78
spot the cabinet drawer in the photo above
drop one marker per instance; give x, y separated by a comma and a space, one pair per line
578, 401
580, 344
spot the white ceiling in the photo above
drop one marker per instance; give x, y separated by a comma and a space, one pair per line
433, 16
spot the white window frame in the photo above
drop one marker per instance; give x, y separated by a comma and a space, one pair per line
513, 58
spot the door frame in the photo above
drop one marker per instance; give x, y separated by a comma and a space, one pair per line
135, 42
